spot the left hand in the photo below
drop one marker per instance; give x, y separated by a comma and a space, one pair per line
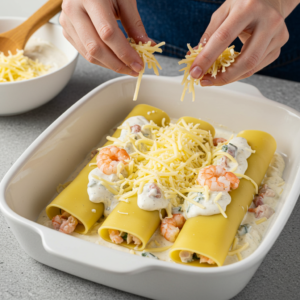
260, 26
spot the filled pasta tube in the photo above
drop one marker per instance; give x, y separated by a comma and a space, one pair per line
131, 219
212, 236
74, 199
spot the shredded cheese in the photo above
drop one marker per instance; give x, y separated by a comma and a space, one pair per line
19, 67
217, 198
162, 162
244, 247
223, 61
146, 51
122, 213
221, 210
264, 219
248, 178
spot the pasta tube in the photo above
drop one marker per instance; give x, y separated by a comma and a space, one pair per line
129, 218
74, 198
212, 236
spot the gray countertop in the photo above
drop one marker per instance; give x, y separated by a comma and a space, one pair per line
21, 277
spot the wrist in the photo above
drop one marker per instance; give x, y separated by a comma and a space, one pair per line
287, 6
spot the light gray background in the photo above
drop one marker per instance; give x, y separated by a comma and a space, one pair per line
21, 277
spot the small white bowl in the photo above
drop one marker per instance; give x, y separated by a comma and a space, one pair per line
21, 96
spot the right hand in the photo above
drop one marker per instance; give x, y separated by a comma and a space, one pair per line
91, 27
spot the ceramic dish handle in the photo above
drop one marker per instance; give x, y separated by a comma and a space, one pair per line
240, 87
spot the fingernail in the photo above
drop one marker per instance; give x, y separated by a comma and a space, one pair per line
206, 82
136, 67
135, 74
196, 72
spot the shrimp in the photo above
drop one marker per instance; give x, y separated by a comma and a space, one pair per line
109, 158
204, 259
134, 239
170, 227
68, 226
262, 211
266, 191
115, 237
154, 191
217, 179
64, 223
216, 141
136, 128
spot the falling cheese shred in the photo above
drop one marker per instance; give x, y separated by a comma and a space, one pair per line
146, 51
19, 67
227, 57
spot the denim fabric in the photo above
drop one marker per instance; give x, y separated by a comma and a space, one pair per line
178, 22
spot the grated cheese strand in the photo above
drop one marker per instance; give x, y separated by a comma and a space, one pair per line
248, 178
19, 67
264, 219
226, 58
145, 51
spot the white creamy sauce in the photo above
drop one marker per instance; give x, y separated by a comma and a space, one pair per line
253, 237
45, 52
241, 155
99, 194
150, 199
135, 123
256, 232
211, 207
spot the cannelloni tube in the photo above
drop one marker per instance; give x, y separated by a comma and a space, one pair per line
128, 217
74, 198
212, 236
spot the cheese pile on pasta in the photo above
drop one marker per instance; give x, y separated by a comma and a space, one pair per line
172, 159
19, 67
146, 51
223, 61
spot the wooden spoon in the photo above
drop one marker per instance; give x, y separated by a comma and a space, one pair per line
17, 38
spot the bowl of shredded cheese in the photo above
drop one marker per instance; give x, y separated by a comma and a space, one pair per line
35, 75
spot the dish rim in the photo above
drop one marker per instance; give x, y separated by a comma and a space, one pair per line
250, 261
47, 74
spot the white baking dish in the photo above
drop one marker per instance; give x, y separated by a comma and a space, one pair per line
31, 182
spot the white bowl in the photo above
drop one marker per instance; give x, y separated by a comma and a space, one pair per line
31, 182
21, 96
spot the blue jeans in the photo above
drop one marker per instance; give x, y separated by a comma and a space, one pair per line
178, 22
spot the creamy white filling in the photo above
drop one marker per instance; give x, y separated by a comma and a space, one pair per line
137, 120
150, 200
211, 208
45, 52
99, 194
241, 156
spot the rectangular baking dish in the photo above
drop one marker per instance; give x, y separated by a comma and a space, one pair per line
31, 182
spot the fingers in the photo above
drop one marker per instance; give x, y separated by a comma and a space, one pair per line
104, 21
251, 56
217, 18
132, 22
218, 42
266, 61
93, 49
69, 31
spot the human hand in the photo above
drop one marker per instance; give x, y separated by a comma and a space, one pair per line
260, 26
91, 27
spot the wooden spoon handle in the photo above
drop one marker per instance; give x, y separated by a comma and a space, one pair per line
39, 18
